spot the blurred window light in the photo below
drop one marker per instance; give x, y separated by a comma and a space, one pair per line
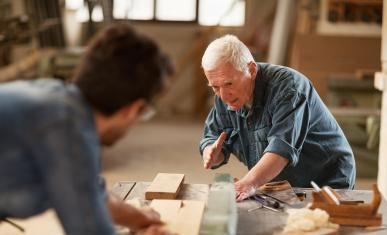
82, 14
74, 4
133, 9
97, 14
176, 10
223, 12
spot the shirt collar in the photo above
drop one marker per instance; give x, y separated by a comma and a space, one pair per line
261, 82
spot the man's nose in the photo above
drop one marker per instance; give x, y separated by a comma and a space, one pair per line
224, 94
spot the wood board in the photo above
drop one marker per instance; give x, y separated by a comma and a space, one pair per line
180, 216
321, 231
165, 186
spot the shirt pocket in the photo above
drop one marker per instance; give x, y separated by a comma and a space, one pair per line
261, 134
234, 144
232, 135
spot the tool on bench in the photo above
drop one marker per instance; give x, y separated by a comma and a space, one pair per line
326, 194
280, 191
266, 202
352, 212
301, 195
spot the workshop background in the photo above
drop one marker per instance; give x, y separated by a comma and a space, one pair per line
336, 43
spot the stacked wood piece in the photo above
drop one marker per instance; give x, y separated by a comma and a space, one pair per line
165, 186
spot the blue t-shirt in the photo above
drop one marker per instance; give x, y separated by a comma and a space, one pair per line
288, 118
49, 156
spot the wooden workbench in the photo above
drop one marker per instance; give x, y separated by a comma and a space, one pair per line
261, 221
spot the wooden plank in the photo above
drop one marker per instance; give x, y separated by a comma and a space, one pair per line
321, 231
198, 192
180, 217
123, 188
165, 186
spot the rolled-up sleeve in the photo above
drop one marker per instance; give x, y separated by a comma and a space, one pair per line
212, 129
290, 125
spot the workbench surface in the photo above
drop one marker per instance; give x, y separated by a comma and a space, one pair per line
261, 221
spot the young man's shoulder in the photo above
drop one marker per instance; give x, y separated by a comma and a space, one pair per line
40, 100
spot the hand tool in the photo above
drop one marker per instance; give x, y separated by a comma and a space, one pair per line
267, 203
326, 194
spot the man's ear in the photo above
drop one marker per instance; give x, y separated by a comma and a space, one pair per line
131, 110
252, 69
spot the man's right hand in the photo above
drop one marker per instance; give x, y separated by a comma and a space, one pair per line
148, 217
155, 230
212, 153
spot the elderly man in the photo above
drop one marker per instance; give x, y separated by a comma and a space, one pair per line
272, 119
51, 131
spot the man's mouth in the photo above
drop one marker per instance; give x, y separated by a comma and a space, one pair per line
233, 101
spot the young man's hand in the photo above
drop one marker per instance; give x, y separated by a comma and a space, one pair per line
131, 217
150, 216
154, 230
212, 154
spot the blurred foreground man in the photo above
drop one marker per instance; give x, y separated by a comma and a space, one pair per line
50, 134
272, 119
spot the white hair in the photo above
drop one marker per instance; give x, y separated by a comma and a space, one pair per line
227, 49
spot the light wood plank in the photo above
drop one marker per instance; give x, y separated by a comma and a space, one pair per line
180, 216
165, 186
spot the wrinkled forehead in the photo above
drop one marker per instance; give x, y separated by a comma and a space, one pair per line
220, 82
219, 78
223, 75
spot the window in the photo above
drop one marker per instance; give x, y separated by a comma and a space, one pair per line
211, 12
176, 10
205, 12
133, 9
223, 12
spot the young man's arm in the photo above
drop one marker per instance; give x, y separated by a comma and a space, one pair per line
68, 162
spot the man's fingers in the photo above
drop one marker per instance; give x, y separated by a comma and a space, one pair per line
207, 161
220, 140
206, 164
210, 152
240, 197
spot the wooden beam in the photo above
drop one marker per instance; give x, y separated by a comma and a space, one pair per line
123, 188
180, 217
165, 186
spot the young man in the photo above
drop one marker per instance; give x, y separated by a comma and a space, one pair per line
50, 134
272, 119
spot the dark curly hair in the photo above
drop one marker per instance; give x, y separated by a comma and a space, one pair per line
119, 67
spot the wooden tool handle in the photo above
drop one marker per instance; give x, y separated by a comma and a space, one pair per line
329, 196
276, 186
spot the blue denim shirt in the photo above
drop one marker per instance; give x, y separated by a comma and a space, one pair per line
288, 118
49, 156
